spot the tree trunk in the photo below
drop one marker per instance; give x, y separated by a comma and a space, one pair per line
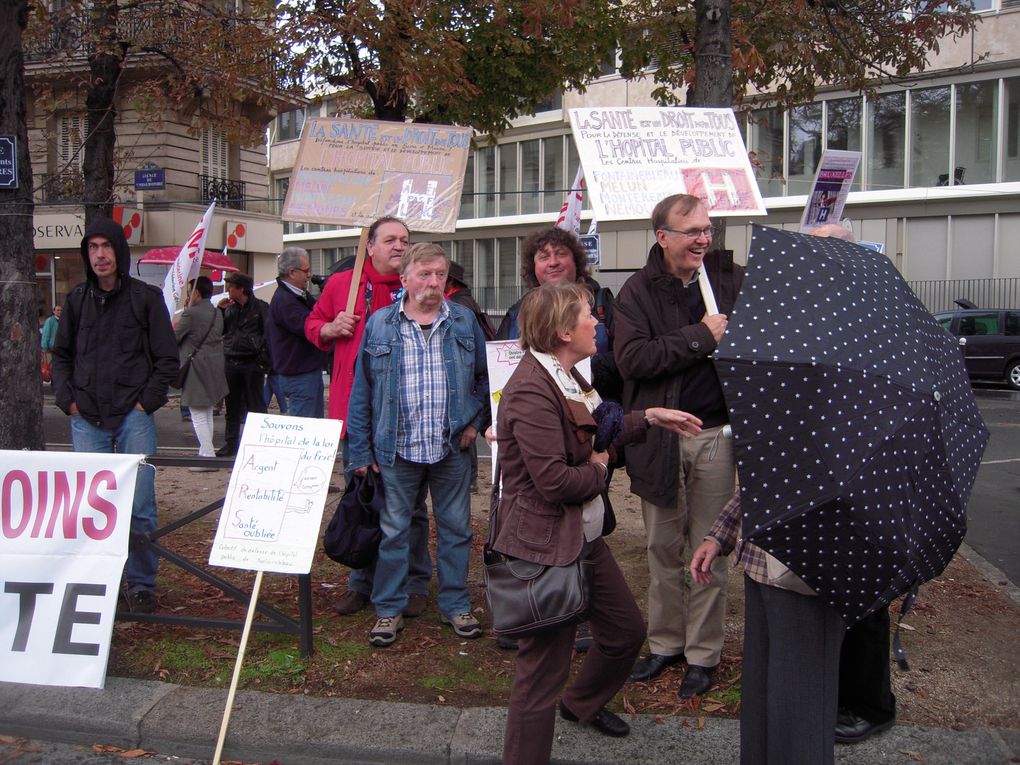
21, 400
105, 64
713, 69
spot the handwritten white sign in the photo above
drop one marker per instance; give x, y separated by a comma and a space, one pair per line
635, 156
65, 523
273, 508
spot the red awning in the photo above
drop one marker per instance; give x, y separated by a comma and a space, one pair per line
165, 256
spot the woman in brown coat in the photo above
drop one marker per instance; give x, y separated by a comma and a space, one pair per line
554, 508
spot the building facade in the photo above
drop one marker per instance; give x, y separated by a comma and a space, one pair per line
167, 167
939, 182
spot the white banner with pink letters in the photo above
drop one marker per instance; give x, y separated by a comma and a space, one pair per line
64, 523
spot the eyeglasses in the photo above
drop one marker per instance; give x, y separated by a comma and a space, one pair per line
303, 270
691, 233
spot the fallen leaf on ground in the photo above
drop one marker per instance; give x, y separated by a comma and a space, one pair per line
915, 756
130, 754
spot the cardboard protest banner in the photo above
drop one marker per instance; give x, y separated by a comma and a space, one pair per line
635, 156
501, 359
273, 508
833, 179
354, 171
65, 519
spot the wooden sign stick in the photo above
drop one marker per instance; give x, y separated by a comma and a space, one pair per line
237, 667
359, 265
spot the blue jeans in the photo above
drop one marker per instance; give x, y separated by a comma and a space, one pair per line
135, 435
302, 394
272, 388
419, 571
448, 482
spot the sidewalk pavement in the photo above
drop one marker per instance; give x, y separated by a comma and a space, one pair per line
307, 730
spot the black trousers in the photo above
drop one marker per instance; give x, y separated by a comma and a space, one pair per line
864, 683
790, 677
245, 383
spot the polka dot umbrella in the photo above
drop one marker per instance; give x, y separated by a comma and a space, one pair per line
856, 432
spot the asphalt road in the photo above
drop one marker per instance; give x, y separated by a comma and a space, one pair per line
993, 513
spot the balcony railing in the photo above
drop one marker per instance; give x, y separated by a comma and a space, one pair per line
68, 186
229, 194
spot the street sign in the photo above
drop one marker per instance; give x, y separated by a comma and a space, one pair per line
8, 162
150, 177
592, 249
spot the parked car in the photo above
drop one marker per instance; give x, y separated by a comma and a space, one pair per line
989, 339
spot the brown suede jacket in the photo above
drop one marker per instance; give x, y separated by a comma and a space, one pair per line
544, 447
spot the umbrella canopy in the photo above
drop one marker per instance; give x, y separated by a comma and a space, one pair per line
165, 256
856, 432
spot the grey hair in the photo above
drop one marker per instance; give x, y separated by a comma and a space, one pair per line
290, 258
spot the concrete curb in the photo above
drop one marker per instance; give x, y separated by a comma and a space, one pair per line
305, 730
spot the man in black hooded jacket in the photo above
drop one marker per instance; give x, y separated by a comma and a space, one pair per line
113, 361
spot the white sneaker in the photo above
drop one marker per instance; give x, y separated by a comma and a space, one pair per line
464, 625
385, 631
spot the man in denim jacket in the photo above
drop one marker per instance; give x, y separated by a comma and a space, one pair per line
418, 403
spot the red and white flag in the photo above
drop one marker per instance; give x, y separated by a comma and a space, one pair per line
570, 213
188, 262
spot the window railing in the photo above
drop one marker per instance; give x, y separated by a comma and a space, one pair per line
68, 186
229, 194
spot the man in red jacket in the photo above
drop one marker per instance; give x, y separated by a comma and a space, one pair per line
332, 328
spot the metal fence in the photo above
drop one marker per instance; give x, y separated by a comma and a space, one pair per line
939, 295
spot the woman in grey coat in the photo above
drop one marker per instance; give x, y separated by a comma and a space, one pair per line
206, 383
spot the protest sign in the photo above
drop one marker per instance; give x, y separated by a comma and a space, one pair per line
833, 179
354, 171
635, 156
65, 522
273, 508
501, 359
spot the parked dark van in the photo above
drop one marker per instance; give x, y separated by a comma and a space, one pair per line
990, 341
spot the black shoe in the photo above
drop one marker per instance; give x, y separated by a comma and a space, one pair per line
604, 721
653, 665
853, 729
506, 643
696, 681
226, 451
141, 602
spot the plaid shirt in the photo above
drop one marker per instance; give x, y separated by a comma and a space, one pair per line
422, 420
726, 533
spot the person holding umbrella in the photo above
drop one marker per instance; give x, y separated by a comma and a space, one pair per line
791, 653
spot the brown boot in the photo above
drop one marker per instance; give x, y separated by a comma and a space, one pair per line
350, 603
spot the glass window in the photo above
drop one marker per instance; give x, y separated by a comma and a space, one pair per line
573, 162
467, 195
886, 134
929, 136
289, 125
805, 147
977, 118
1012, 323
843, 129
554, 184
485, 169
508, 270
1011, 160
767, 150
486, 262
508, 197
531, 175
979, 324
461, 251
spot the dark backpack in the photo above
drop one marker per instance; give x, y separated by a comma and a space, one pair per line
353, 534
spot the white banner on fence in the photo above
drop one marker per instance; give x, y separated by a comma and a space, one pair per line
63, 542
635, 156
273, 508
